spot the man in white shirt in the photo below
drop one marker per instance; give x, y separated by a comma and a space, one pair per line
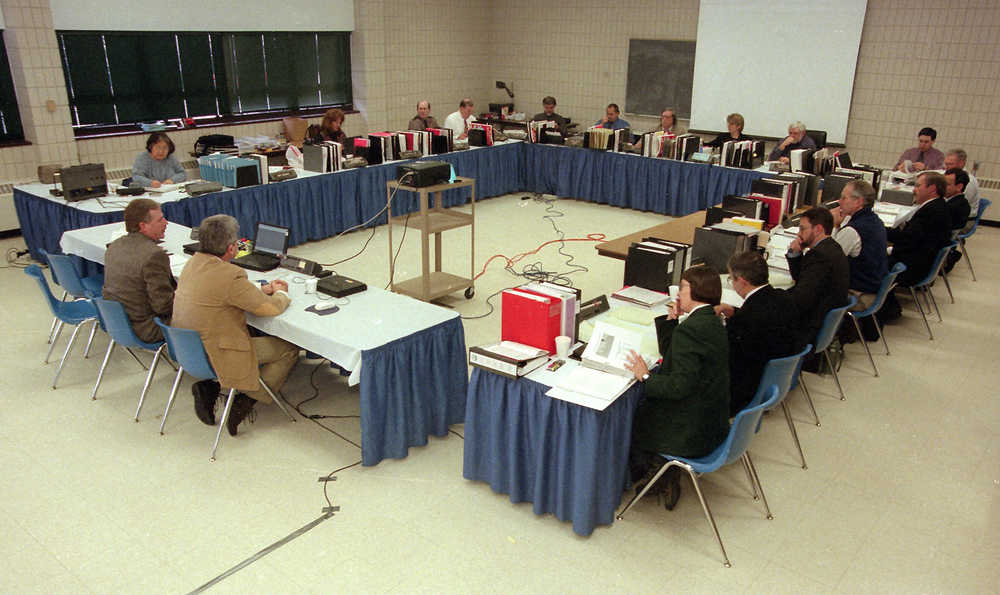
459, 121
957, 158
862, 236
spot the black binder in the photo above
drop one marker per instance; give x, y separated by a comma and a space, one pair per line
833, 185
714, 246
747, 206
715, 215
654, 265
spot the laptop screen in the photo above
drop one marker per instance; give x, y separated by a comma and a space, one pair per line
271, 239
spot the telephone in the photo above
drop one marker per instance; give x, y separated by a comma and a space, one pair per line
302, 265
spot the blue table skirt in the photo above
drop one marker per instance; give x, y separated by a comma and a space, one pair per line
660, 185
567, 459
411, 388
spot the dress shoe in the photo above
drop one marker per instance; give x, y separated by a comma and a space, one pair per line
205, 392
672, 487
242, 408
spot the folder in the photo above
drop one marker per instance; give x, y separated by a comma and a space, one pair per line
530, 319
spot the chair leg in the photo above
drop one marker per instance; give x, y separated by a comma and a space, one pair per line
965, 252
795, 435
920, 309
280, 402
69, 346
136, 357
809, 399
947, 285
642, 493
90, 341
753, 484
864, 342
836, 377
881, 335
753, 469
52, 343
55, 319
932, 299
170, 401
708, 515
222, 422
104, 365
149, 379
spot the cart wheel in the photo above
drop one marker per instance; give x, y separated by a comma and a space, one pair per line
469, 292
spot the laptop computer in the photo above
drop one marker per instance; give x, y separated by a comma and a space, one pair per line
269, 246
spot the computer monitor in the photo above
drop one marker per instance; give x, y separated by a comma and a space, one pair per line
271, 239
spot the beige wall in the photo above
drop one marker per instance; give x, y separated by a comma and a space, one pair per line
911, 73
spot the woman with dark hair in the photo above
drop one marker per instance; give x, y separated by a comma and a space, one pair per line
330, 129
157, 166
685, 406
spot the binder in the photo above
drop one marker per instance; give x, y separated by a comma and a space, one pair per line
715, 215
483, 357
654, 265
530, 319
569, 304
833, 185
801, 159
747, 206
714, 246
442, 140
480, 135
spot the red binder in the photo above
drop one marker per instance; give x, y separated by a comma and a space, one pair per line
530, 319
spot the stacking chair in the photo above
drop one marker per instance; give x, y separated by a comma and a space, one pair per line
825, 336
185, 348
984, 203
74, 313
65, 274
924, 287
732, 448
116, 323
781, 372
888, 284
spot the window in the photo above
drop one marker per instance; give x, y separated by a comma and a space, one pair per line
116, 78
10, 118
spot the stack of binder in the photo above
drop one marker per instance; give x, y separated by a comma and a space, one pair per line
805, 189
569, 299
530, 318
833, 184
323, 157
870, 174
442, 140
415, 140
746, 154
801, 160
480, 135
656, 264
545, 132
684, 146
230, 171
747, 206
507, 358
605, 139
779, 194
656, 144
714, 245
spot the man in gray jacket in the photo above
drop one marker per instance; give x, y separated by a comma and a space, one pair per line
137, 270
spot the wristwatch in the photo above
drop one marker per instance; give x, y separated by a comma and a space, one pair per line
645, 377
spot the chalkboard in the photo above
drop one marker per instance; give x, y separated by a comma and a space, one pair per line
660, 75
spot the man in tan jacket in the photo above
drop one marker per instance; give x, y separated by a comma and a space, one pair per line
213, 297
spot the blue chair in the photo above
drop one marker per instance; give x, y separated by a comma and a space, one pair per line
924, 287
65, 274
825, 336
74, 313
780, 372
888, 284
732, 448
984, 203
116, 323
185, 348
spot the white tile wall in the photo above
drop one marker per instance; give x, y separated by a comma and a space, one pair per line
921, 63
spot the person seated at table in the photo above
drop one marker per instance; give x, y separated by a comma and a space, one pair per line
667, 121
734, 122
685, 406
329, 129
956, 180
157, 166
923, 156
611, 119
796, 139
423, 120
213, 296
549, 114
760, 330
137, 270
861, 235
459, 120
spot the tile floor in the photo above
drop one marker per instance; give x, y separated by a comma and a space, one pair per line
901, 494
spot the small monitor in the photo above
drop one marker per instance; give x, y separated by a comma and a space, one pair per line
271, 239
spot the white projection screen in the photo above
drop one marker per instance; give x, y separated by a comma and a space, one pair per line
776, 62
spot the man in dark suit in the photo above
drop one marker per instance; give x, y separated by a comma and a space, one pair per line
137, 271
762, 329
917, 242
685, 407
957, 180
821, 272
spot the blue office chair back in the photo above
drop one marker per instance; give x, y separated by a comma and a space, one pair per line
186, 349
831, 323
936, 267
68, 312
743, 429
115, 322
779, 372
887, 284
984, 203
65, 274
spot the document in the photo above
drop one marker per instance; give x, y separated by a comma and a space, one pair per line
591, 388
609, 348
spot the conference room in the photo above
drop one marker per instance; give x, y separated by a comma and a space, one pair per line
897, 496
